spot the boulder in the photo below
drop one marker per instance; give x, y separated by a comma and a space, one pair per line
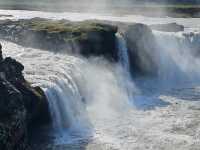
141, 46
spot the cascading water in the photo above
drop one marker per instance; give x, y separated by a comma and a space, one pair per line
123, 52
57, 75
78, 90
90, 95
176, 56
125, 64
66, 105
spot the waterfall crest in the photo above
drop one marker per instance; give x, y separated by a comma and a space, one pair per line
90, 97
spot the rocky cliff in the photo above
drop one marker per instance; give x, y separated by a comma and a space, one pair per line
86, 38
21, 106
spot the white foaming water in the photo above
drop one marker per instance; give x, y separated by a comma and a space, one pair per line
88, 98
75, 87
176, 57
124, 61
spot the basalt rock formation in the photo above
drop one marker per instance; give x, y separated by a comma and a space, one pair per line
141, 46
21, 106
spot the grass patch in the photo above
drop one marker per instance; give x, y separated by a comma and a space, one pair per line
65, 26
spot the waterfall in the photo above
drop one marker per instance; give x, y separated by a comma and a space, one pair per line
77, 87
76, 100
66, 105
123, 56
90, 97
123, 52
177, 56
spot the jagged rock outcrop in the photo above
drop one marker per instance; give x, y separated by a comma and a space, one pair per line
21, 106
142, 48
86, 38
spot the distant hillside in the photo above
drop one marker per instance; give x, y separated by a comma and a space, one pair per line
172, 8
99, 2
169, 1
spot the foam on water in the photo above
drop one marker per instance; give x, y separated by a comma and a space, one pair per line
105, 118
176, 57
90, 102
75, 87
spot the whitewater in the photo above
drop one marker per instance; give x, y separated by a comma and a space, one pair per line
95, 104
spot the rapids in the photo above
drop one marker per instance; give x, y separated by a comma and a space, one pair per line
95, 104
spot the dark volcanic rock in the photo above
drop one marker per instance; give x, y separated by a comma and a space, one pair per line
86, 38
142, 47
21, 106
170, 27
13, 133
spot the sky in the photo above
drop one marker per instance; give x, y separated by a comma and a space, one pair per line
82, 5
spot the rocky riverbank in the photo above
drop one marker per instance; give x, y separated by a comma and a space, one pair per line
21, 106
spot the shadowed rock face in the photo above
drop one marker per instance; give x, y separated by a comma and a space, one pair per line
13, 133
141, 46
21, 106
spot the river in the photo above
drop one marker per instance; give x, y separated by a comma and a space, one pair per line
95, 104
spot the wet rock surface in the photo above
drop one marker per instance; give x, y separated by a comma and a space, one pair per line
21, 106
141, 46
13, 134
